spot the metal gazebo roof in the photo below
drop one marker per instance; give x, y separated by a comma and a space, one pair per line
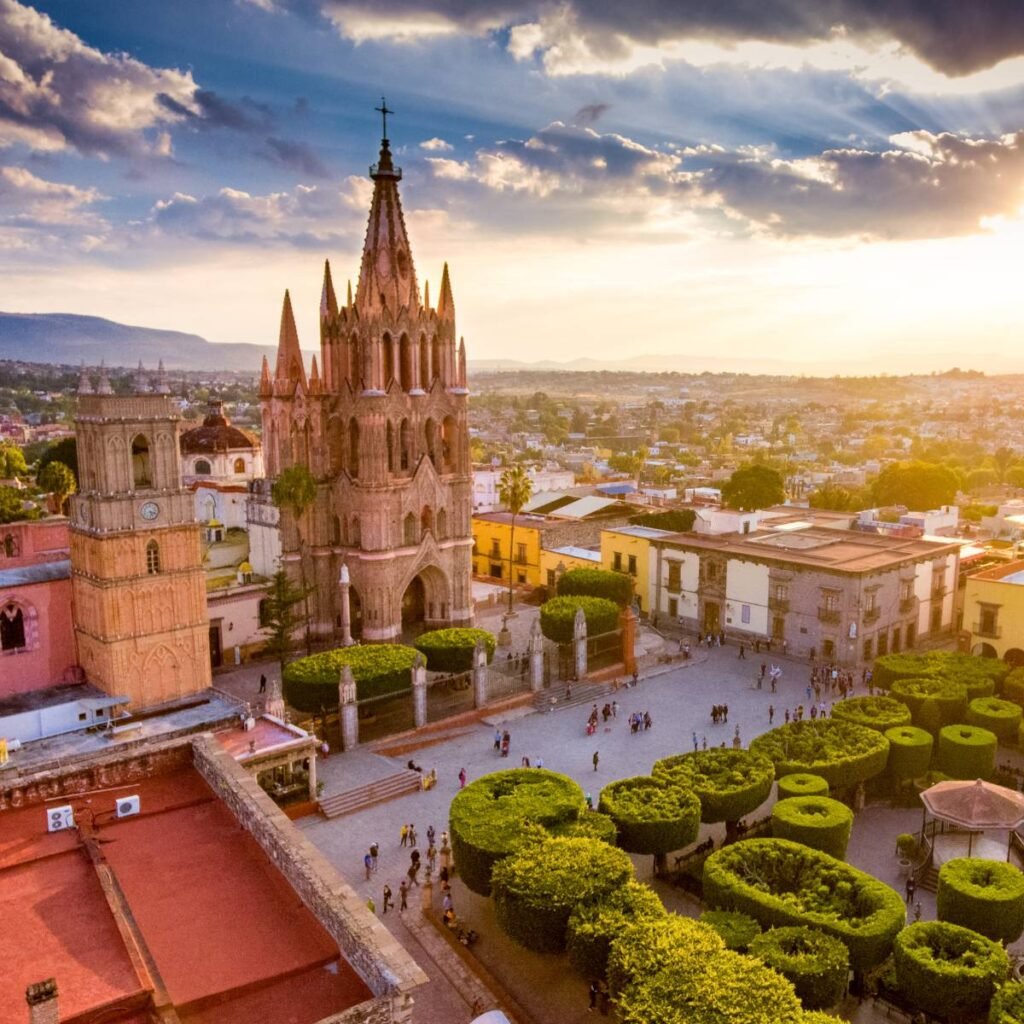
976, 805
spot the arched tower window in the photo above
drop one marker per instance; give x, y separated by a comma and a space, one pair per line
407, 353
239, 465
354, 363
357, 537
409, 530
424, 363
448, 442
387, 359
202, 468
430, 434
152, 558
391, 447
426, 520
335, 530
405, 446
142, 473
442, 525
12, 628
435, 359
353, 447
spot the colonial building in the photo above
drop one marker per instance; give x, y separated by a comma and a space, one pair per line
138, 587
993, 615
381, 424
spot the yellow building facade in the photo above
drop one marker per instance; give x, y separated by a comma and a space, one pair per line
994, 612
629, 549
556, 561
493, 552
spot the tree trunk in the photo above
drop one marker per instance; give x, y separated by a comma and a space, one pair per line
511, 556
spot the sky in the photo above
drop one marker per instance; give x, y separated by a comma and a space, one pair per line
819, 184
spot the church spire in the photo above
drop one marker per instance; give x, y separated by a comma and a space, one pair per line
289, 356
445, 302
266, 387
328, 300
387, 277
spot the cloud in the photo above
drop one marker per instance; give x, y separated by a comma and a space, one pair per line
296, 156
436, 145
953, 37
56, 92
26, 198
590, 114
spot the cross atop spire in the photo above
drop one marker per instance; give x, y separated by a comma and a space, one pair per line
383, 111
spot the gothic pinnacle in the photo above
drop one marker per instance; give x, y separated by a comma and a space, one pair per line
445, 302
328, 300
289, 356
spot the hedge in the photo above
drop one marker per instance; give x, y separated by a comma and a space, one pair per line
910, 751
311, 683
1013, 686
981, 676
558, 617
729, 783
1008, 1004
785, 883
842, 753
986, 896
816, 821
934, 701
801, 784
590, 826
946, 970
816, 964
612, 586
966, 752
538, 887
451, 650
487, 817
592, 926
1001, 717
651, 815
736, 930
879, 713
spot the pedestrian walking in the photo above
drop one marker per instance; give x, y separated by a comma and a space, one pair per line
742, 656
412, 835
497, 739
414, 870
462, 778
911, 888
403, 896
703, 743
595, 759
737, 743
431, 857
430, 835
404, 833
388, 901
370, 905
374, 852
594, 989
695, 742
368, 865
615, 709
263, 683
771, 713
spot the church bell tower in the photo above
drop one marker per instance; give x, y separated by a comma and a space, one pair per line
138, 587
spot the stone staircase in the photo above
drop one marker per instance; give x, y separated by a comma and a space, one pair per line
929, 878
582, 693
388, 788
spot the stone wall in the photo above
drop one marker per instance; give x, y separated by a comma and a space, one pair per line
366, 944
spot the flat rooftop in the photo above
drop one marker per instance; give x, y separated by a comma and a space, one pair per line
227, 939
1009, 572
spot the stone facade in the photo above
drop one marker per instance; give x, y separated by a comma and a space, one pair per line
384, 432
138, 586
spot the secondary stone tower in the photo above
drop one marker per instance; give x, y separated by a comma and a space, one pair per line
138, 588
381, 424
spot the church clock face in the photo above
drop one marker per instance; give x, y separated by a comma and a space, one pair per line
149, 511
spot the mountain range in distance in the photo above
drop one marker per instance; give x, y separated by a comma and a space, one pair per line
71, 339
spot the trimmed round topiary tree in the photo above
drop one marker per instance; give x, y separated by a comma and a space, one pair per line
801, 784
451, 650
816, 821
651, 815
780, 883
1013, 686
593, 926
986, 896
558, 617
487, 818
966, 752
842, 753
729, 783
1008, 1004
934, 701
536, 888
311, 683
817, 965
981, 676
612, 586
737, 930
1002, 717
947, 970
880, 713
910, 751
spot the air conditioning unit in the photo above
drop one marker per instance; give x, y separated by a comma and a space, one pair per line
127, 806
60, 818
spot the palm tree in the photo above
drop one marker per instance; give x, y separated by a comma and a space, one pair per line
295, 490
514, 490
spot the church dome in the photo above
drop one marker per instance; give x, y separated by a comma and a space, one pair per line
216, 434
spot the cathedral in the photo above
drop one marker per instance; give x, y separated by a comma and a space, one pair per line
381, 423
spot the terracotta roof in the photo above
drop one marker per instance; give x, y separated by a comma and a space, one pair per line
975, 804
216, 434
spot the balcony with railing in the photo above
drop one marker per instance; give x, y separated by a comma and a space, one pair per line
829, 615
907, 604
990, 630
872, 615
779, 605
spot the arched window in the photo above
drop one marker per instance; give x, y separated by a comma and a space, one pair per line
141, 471
387, 359
357, 537
391, 447
426, 520
405, 446
424, 363
239, 465
442, 525
409, 530
430, 433
406, 354
354, 364
11, 547
12, 628
448, 445
353, 447
152, 558
202, 468
435, 354
335, 530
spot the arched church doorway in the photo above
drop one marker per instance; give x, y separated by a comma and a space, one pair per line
355, 607
414, 603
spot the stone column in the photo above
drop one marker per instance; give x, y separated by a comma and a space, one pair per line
536, 656
479, 675
419, 691
427, 892
579, 642
349, 710
312, 775
627, 624
344, 583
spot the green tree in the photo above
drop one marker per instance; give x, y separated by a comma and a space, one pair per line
295, 491
65, 450
918, 485
279, 617
979, 479
57, 479
12, 506
1002, 459
12, 461
752, 487
1015, 476
514, 490
836, 498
